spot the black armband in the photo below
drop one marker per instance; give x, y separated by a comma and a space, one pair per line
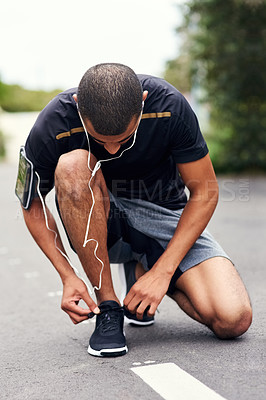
25, 180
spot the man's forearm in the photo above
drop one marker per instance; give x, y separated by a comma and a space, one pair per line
194, 219
35, 221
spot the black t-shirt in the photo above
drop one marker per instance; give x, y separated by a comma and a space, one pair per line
168, 133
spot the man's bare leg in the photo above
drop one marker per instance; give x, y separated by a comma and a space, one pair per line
213, 294
71, 182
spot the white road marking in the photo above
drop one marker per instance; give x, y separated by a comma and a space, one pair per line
172, 383
149, 362
136, 363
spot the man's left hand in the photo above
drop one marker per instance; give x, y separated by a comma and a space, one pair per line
147, 293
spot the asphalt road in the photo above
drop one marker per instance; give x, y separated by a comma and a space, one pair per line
44, 356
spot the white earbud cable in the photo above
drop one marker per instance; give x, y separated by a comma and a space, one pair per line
86, 240
93, 171
55, 233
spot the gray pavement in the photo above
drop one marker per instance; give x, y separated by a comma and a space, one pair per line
44, 356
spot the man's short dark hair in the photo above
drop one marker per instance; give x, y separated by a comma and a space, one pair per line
110, 95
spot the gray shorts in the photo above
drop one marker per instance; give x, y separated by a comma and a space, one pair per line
139, 230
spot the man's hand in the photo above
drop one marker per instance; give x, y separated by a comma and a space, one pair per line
75, 290
147, 292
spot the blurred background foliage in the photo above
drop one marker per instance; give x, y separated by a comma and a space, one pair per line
2, 146
221, 63
223, 53
14, 98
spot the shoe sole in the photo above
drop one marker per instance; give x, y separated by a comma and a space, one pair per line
138, 323
120, 351
122, 277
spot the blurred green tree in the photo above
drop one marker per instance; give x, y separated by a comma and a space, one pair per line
177, 72
2, 146
225, 47
14, 98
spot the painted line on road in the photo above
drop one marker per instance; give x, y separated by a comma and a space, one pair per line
172, 382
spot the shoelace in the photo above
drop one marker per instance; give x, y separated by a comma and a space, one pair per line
109, 321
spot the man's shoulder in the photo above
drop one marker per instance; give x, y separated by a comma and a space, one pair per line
62, 101
57, 120
161, 94
56, 124
155, 82
60, 109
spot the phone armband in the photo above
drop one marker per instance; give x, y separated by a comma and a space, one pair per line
25, 180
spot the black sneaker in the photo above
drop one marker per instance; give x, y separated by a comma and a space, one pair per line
128, 279
108, 339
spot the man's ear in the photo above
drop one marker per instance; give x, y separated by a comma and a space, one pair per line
145, 94
75, 97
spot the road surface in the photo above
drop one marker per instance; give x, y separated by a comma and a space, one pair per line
44, 356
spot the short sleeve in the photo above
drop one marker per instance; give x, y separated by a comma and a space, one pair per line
44, 163
41, 146
186, 140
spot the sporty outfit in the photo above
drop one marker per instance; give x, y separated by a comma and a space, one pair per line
146, 191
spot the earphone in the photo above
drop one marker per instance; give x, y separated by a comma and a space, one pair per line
98, 166
93, 173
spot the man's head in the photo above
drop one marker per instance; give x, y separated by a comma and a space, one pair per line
110, 99
110, 96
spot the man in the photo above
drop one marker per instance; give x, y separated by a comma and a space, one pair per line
132, 209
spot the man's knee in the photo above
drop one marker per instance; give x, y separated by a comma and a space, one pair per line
72, 174
232, 323
70, 164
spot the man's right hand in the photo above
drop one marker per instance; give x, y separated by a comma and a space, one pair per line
74, 290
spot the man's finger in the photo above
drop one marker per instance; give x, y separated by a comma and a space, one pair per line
141, 309
151, 311
134, 304
129, 297
90, 303
72, 319
77, 310
75, 318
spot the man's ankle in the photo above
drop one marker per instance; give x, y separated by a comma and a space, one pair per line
104, 297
